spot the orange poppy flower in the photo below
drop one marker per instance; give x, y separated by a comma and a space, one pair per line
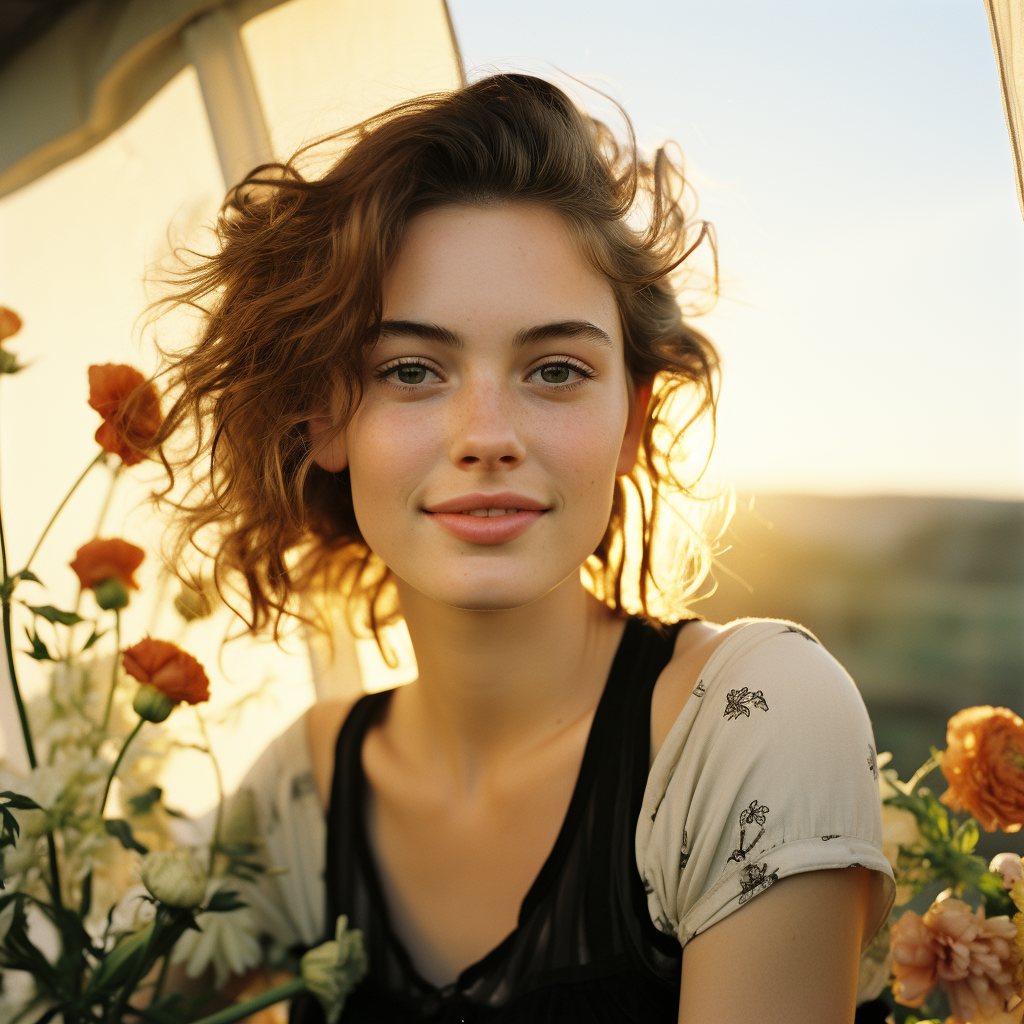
10, 322
101, 560
984, 766
169, 669
130, 409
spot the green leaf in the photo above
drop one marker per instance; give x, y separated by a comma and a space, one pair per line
223, 901
51, 614
19, 801
10, 582
86, 904
966, 837
40, 652
237, 850
142, 803
93, 637
120, 829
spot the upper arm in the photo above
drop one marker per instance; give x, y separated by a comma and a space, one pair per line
792, 954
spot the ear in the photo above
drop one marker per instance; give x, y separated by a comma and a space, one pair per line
634, 428
330, 453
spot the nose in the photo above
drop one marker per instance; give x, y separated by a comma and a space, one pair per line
484, 426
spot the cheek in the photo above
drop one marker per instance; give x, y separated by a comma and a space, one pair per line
388, 454
581, 446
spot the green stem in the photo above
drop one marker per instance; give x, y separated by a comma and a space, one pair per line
929, 766
114, 477
60, 508
220, 793
103, 515
240, 1010
117, 763
26, 732
142, 966
161, 978
51, 852
113, 674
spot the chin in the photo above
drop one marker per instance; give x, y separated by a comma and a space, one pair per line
486, 591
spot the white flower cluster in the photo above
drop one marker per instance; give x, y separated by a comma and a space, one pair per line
75, 757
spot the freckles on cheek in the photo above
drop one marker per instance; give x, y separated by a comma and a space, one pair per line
388, 457
583, 450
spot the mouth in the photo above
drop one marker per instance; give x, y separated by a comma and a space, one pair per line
489, 513
499, 504
487, 518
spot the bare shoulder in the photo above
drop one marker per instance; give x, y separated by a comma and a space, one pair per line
323, 723
696, 643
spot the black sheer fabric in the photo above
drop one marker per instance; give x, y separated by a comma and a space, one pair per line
584, 948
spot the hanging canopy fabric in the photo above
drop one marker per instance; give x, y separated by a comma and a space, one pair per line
1006, 21
87, 74
67, 88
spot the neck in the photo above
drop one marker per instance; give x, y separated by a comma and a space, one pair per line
493, 683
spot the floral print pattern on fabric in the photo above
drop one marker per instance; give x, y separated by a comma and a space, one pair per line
752, 815
741, 806
738, 702
754, 879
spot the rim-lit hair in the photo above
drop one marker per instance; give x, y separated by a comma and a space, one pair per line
291, 299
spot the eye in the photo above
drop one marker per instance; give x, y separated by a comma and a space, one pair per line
407, 373
564, 373
410, 373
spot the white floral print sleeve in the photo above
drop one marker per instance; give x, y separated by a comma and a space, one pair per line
770, 770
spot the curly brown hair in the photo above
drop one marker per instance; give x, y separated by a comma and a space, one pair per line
291, 299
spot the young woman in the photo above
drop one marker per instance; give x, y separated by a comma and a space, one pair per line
424, 382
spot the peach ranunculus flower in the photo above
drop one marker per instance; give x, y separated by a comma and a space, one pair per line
10, 323
984, 766
167, 668
972, 958
130, 408
101, 560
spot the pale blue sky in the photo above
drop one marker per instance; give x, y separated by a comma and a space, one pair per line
854, 160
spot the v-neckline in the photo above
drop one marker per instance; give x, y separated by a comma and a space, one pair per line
548, 870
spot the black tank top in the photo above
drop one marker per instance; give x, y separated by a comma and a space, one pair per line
585, 948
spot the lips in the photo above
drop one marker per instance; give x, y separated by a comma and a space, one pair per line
487, 518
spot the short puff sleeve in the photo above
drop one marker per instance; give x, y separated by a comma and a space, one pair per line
770, 770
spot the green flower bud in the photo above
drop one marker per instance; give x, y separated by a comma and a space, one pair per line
333, 970
9, 362
191, 604
111, 594
174, 877
151, 704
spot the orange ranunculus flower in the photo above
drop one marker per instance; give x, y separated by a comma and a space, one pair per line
10, 322
169, 669
101, 560
984, 766
128, 426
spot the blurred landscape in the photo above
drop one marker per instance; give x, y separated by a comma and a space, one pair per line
920, 598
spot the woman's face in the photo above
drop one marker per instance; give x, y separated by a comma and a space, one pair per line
496, 412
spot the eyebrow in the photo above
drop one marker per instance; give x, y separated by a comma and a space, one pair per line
526, 336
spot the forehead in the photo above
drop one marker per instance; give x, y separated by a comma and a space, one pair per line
503, 267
